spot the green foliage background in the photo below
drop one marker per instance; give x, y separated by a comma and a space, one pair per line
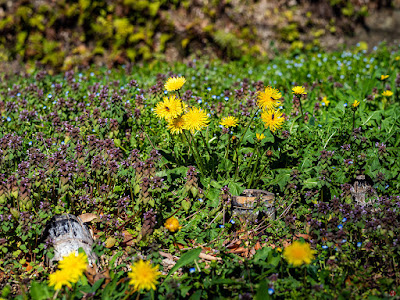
62, 34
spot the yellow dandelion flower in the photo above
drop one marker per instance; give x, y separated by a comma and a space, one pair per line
143, 275
174, 83
272, 119
169, 108
383, 77
299, 90
260, 136
172, 224
325, 101
195, 119
298, 253
269, 98
176, 125
229, 122
74, 264
397, 58
355, 103
60, 278
387, 93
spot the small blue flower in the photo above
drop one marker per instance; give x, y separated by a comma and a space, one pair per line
8, 119
19, 95
325, 247
49, 96
386, 187
344, 241
165, 92
214, 96
232, 221
359, 244
271, 291
221, 226
192, 270
344, 220
30, 143
201, 200
208, 89
44, 107
345, 105
226, 98
340, 226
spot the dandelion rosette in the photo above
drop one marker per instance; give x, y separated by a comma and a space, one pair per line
195, 119
174, 83
272, 119
269, 98
299, 90
169, 108
298, 253
172, 224
143, 275
229, 121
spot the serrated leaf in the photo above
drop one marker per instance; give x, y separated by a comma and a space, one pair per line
185, 259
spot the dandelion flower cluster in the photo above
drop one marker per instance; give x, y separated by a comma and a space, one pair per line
387, 93
172, 224
260, 136
71, 268
325, 101
269, 98
384, 77
143, 275
195, 119
356, 103
176, 125
174, 83
272, 119
299, 90
229, 122
169, 108
298, 253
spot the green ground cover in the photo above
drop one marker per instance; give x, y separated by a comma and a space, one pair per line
92, 142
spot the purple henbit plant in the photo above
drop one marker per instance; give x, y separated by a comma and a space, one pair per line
139, 100
191, 178
133, 83
346, 147
381, 147
187, 95
149, 222
226, 196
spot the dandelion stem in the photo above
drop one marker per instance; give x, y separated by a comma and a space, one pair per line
254, 170
301, 108
247, 127
195, 152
